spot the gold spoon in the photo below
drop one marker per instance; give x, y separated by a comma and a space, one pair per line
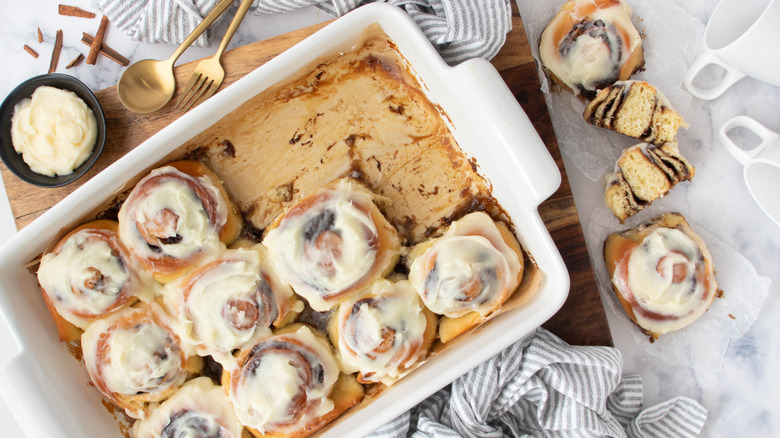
148, 85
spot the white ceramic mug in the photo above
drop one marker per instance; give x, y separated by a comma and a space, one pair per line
761, 163
742, 37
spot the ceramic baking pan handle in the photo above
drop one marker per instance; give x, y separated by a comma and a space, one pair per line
514, 148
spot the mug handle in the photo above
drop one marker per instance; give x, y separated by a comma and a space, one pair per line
766, 135
707, 58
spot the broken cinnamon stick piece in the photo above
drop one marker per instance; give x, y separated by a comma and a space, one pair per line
75, 11
94, 49
29, 50
75, 61
106, 51
55, 54
40, 35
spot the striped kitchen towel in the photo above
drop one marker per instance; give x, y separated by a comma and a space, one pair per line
459, 29
543, 387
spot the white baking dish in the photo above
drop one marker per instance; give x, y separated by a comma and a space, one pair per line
47, 390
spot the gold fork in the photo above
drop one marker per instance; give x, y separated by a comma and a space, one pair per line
209, 74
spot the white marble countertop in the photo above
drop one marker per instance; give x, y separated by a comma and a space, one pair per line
738, 393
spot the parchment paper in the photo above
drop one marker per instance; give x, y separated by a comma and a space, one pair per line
672, 39
670, 42
704, 342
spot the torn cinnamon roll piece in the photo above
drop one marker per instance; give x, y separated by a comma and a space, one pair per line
229, 302
642, 174
590, 44
662, 274
198, 409
636, 109
332, 243
89, 274
383, 332
176, 216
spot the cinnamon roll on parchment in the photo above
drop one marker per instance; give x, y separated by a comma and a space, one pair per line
383, 332
135, 359
467, 273
176, 216
289, 384
229, 302
662, 274
199, 408
590, 44
332, 243
90, 274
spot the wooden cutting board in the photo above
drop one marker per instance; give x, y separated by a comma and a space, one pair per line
581, 321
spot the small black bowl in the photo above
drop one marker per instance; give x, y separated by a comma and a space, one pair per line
14, 161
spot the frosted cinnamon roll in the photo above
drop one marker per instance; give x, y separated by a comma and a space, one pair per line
662, 274
175, 217
383, 332
286, 384
332, 243
230, 302
90, 274
590, 44
473, 267
134, 358
198, 409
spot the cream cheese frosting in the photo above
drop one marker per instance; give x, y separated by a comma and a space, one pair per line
284, 382
665, 281
54, 130
199, 409
89, 275
229, 302
331, 242
469, 268
381, 332
588, 42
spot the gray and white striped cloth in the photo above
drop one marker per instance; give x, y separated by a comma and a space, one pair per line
459, 29
543, 387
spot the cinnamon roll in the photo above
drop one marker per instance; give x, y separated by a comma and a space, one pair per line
90, 274
662, 274
134, 358
175, 217
590, 44
230, 302
383, 332
332, 243
473, 267
289, 384
198, 409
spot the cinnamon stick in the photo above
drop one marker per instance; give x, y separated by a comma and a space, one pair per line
106, 51
55, 54
74, 11
40, 35
29, 50
75, 61
94, 49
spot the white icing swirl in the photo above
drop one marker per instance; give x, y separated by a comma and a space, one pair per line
667, 281
283, 382
54, 130
469, 268
229, 302
133, 354
328, 244
381, 332
199, 409
591, 52
171, 215
89, 275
